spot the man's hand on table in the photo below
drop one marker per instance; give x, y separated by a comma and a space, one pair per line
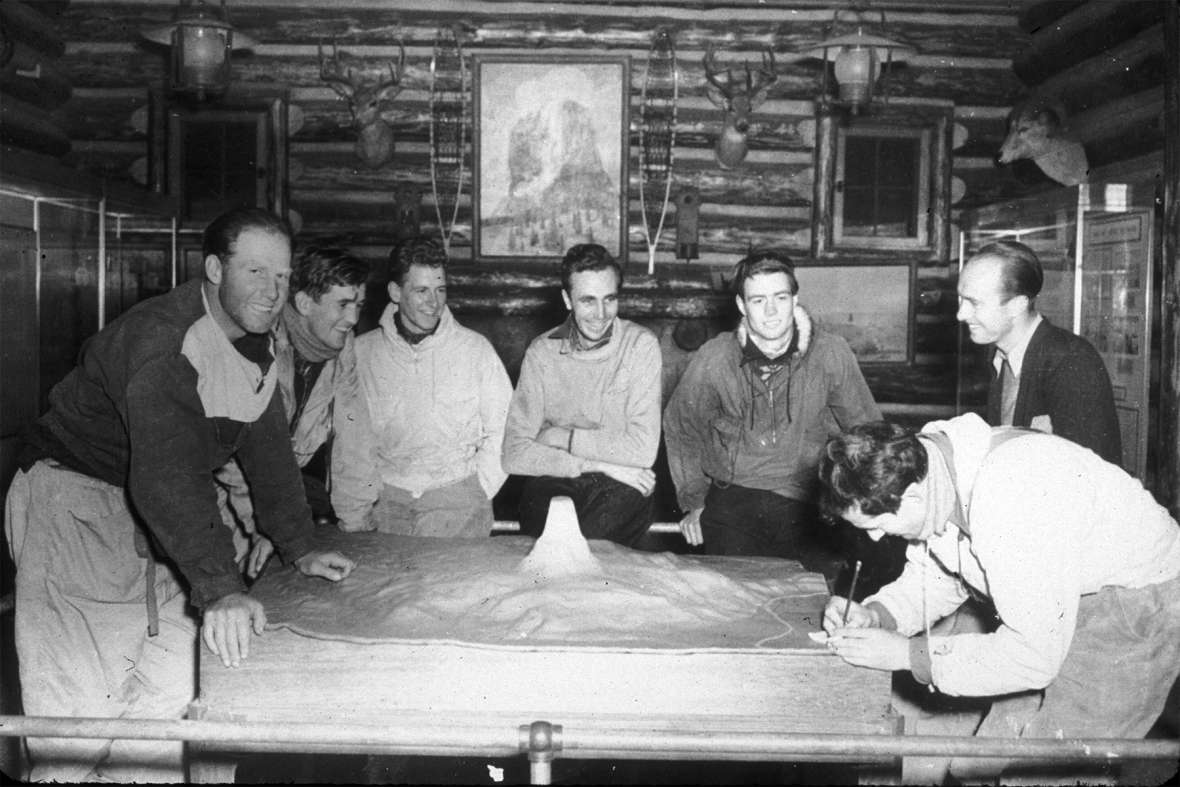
329, 565
690, 526
228, 622
860, 640
260, 553
226, 626
872, 648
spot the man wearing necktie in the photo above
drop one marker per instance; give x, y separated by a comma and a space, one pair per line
1046, 377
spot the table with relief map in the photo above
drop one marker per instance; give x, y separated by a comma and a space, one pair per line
501, 632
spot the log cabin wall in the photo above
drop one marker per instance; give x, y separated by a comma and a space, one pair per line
963, 61
970, 58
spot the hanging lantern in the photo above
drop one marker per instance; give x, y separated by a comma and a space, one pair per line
858, 61
202, 39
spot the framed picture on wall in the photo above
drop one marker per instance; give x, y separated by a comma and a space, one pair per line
869, 305
551, 154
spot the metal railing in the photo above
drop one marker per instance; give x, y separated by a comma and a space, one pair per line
544, 742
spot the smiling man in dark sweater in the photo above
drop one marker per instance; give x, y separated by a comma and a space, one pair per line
116, 505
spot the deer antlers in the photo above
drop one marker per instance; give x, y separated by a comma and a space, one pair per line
349, 86
367, 102
737, 97
756, 83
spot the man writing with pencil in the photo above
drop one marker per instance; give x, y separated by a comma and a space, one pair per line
1082, 564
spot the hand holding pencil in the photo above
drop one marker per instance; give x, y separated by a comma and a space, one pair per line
846, 613
841, 613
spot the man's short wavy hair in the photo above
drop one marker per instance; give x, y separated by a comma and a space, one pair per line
870, 466
320, 268
415, 251
221, 235
760, 262
583, 257
1020, 269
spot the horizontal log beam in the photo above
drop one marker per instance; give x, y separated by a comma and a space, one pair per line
32, 25
1122, 116
1104, 72
1083, 33
543, 25
125, 65
26, 126
34, 77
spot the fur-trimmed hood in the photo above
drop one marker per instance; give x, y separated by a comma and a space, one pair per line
803, 329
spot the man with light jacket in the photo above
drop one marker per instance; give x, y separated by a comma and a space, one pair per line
437, 397
1081, 562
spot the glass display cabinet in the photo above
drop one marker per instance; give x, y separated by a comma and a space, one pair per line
1097, 246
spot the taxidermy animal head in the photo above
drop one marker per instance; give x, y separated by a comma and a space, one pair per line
1036, 130
370, 104
737, 96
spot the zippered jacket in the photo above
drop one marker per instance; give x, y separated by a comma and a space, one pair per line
334, 407
724, 424
160, 400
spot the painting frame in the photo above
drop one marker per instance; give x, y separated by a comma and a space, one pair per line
872, 306
528, 204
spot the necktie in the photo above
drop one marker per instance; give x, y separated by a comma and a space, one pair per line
1008, 387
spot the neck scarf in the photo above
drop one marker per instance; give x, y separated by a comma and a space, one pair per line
411, 337
305, 343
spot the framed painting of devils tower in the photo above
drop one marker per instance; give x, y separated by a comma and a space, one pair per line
551, 155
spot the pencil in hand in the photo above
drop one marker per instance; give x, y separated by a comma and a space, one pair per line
851, 593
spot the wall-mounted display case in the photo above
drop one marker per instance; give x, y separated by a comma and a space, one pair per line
1097, 246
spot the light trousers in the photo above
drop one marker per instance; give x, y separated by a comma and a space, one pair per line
81, 628
458, 510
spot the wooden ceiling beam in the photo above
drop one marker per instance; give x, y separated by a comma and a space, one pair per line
1082, 33
1076, 86
23, 22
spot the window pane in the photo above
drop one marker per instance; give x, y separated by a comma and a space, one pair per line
880, 186
897, 161
219, 165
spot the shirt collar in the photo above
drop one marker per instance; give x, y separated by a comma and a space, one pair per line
572, 339
1016, 356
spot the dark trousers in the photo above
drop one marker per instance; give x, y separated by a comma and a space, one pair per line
738, 520
607, 508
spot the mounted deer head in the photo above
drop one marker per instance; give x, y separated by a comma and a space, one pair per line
737, 96
369, 104
1036, 130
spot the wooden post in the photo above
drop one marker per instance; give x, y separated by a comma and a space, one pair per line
1169, 471
825, 169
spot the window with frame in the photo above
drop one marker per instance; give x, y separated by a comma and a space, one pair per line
224, 154
881, 173
882, 183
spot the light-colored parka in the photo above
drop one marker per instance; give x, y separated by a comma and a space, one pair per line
436, 408
333, 408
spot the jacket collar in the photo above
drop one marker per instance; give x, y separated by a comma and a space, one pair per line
446, 321
804, 330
